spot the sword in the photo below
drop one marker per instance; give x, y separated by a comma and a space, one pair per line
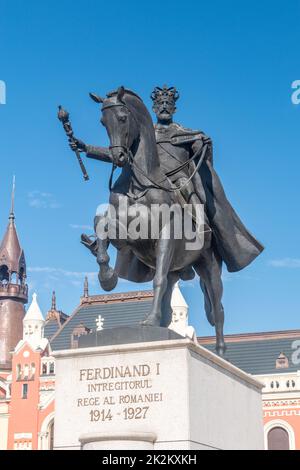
63, 116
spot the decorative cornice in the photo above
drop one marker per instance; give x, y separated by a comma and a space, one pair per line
162, 345
294, 403
118, 297
272, 414
17, 292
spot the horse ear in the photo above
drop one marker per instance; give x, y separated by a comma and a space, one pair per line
96, 98
121, 93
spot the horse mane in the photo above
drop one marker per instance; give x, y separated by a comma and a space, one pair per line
135, 103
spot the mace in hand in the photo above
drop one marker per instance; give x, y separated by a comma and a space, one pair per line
63, 116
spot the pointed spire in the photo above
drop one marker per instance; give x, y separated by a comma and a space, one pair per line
10, 249
33, 323
86, 287
13, 287
53, 307
11, 253
53, 313
34, 312
180, 314
177, 299
12, 205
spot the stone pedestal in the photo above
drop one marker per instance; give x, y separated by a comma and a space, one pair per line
170, 394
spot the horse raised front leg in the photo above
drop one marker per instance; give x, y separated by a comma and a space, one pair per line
209, 268
107, 276
164, 254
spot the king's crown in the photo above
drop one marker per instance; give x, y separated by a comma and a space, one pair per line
159, 94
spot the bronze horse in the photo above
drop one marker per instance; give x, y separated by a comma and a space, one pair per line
142, 183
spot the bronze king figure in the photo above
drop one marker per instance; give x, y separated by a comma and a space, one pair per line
165, 164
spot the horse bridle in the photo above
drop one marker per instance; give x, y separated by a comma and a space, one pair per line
126, 146
133, 164
123, 105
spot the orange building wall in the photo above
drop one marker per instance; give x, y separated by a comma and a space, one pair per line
24, 412
4, 403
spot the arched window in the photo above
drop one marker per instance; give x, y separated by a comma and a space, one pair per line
26, 371
22, 275
44, 368
4, 276
32, 370
278, 439
14, 278
275, 384
19, 371
3, 390
25, 391
47, 433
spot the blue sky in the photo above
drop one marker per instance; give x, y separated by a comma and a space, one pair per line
233, 63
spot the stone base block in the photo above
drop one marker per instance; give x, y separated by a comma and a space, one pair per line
171, 395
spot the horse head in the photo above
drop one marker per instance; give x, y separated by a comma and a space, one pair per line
122, 126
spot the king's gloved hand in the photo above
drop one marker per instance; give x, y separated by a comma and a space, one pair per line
77, 144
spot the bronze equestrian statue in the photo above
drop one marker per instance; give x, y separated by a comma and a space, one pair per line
165, 164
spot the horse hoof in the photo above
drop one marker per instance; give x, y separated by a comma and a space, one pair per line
109, 282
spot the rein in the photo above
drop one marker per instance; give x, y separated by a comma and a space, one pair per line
171, 173
176, 170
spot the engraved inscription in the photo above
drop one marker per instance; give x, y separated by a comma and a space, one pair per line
120, 392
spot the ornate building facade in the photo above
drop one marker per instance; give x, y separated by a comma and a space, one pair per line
32, 386
274, 359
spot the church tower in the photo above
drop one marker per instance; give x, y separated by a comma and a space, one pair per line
13, 291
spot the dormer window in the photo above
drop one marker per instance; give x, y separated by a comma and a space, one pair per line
19, 372
282, 361
78, 331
